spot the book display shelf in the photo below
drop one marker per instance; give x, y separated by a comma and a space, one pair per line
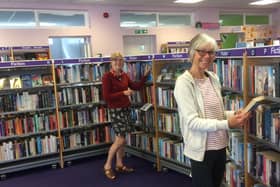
82, 114
261, 140
166, 68
229, 67
29, 133
18, 53
142, 142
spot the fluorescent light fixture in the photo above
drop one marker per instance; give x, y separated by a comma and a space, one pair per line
188, 1
264, 2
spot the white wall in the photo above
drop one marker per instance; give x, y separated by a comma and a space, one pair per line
106, 34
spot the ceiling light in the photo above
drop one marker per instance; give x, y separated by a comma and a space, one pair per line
188, 1
264, 2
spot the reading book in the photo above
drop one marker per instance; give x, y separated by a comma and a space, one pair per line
260, 100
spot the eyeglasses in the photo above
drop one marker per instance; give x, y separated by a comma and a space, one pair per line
204, 52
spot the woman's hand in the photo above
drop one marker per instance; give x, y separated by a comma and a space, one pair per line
239, 119
147, 70
128, 92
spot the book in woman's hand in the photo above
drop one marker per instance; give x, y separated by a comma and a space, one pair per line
252, 105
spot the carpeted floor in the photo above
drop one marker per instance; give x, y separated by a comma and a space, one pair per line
89, 173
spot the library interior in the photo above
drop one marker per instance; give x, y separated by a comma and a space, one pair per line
88, 92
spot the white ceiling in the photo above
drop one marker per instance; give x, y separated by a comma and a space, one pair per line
228, 4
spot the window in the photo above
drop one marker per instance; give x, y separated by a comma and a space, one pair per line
174, 20
138, 20
257, 19
42, 18
16, 18
142, 19
61, 18
231, 20
244, 19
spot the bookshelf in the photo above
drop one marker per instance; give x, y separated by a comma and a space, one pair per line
175, 47
261, 137
141, 143
82, 114
28, 127
166, 67
30, 53
229, 68
5, 54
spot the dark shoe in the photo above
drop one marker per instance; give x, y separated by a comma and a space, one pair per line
110, 174
124, 169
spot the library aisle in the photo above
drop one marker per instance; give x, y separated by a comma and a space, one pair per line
89, 173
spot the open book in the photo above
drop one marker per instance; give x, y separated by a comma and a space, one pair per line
260, 100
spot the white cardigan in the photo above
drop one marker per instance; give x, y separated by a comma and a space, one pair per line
193, 125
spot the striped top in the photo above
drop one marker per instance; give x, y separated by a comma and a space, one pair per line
212, 108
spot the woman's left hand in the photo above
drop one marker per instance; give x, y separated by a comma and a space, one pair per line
147, 70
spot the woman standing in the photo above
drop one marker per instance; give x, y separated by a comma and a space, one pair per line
203, 121
117, 88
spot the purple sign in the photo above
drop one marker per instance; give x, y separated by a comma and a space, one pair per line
106, 59
264, 51
5, 64
230, 53
31, 63
138, 58
4, 48
171, 56
30, 47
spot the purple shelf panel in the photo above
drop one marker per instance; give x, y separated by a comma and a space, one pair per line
264, 51
231, 53
171, 56
138, 58
30, 47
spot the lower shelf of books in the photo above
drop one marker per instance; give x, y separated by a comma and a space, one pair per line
140, 153
28, 163
85, 152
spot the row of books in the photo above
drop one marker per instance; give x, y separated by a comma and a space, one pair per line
233, 102
27, 124
169, 122
95, 136
74, 118
170, 72
166, 97
82, 72
230, 73
173, 149
136, 70
234, 176
26, 81
79, 95
142, 141
236, 148
265, 123
25, 101
264, 165
265, 80
29, 147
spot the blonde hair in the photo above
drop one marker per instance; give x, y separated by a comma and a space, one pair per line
116, 55
199, 41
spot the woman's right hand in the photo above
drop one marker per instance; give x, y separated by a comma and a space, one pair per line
238, 120
128, 92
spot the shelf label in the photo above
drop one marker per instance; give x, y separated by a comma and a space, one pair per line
171, 56
5, 64
264, 51
230, 53
31, 63
135, 58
